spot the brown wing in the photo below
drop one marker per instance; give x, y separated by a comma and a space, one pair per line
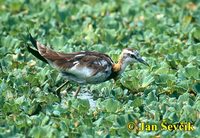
93, 60
57, 59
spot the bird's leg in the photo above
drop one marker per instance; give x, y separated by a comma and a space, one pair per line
59, 88
77, 91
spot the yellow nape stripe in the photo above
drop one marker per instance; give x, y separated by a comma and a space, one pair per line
116, 67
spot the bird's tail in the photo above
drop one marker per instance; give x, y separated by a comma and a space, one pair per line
33, 41
33, 51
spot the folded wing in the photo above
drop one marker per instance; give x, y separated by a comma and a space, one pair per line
81, 67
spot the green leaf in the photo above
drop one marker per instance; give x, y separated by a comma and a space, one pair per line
82, 105
196, 33
196, 87
161, 70
39, 132
186, 22
111, 105
137, 102
147, 80
192, 71
184, 98
151, 97
121, 121
130, 80
99, 121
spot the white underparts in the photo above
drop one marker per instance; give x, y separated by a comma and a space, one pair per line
81, 71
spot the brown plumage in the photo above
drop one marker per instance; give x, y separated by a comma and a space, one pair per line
85, 67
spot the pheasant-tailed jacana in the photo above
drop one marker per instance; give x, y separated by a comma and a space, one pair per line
85, 67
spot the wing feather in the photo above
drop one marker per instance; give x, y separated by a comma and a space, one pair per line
97, 62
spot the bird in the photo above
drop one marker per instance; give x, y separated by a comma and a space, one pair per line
85, 67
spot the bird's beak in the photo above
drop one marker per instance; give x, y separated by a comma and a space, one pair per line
141, 60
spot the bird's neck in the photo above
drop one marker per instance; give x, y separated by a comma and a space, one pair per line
120, 66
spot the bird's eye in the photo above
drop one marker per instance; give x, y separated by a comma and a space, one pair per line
132, 56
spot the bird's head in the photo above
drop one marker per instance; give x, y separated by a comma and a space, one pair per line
129, 55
